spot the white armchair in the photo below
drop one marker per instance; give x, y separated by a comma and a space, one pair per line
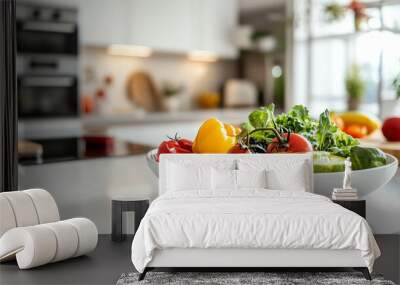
31, 230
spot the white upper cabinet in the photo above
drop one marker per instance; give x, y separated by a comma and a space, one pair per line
214, 23
103, 22
160, 24
178, 26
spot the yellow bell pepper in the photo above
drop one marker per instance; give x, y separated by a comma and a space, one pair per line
359, 118
230, 130
215, 137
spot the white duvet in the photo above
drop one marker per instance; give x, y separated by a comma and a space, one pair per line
250, 219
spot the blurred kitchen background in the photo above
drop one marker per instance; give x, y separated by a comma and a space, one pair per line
111, 79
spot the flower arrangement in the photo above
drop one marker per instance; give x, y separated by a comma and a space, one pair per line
335, 12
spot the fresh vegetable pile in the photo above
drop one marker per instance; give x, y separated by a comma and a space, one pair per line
322, 134
291, 132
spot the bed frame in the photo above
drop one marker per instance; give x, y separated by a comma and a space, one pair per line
250, 259
235, 259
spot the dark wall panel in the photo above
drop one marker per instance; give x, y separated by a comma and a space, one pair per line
8, 98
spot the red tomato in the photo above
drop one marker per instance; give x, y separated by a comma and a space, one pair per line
238, 149
356, 131
297, 143
391, 129
186, 144
171, 146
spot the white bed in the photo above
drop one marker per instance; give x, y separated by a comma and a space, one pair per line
248, 227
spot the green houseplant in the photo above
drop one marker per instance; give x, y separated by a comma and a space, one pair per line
391, 107
355, 87
172, 92
396, 85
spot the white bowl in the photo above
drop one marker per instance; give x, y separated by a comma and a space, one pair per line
365, 181
152, 162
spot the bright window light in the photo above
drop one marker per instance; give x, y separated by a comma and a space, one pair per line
202, 55
276, 71
130, 50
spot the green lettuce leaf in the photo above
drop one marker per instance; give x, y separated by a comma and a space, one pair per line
330, 138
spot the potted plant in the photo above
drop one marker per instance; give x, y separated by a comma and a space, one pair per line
355, 87
390, 106
396, 85
172, 92
263, 41
335, 12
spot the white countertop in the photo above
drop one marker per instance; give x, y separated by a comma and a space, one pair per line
235, 116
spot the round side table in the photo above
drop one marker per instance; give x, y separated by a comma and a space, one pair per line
121, 204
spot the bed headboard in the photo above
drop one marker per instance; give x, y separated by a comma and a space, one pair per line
271, 160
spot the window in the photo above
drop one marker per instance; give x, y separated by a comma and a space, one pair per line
326, 50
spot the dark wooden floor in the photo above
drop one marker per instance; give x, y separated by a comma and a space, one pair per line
103, 266
110, 260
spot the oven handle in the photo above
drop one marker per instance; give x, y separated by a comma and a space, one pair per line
43, 64
39, 81
53, 27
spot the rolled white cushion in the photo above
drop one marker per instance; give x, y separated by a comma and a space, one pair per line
7, 218
33, 246
37, 245
67, 240
87, 234
46, 207
23, 208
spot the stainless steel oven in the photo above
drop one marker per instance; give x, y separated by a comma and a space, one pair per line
47, 96
47, 61
49, 29
47, 86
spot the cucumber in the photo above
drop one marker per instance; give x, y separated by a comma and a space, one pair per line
327, 162
367, 157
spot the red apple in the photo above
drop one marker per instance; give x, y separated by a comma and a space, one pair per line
391, 129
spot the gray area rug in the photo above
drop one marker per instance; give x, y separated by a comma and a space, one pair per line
229, 278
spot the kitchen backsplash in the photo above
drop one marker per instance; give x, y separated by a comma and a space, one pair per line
96, 64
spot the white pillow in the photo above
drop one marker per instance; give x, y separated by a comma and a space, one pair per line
283, 173
188, 177
251, 179
238, 179
223, 179
294, 178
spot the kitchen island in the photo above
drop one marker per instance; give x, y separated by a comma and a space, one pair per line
84, 173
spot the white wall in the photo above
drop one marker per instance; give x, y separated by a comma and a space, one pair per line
196, 76
383, 208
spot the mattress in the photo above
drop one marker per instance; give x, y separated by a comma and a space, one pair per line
250, 219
